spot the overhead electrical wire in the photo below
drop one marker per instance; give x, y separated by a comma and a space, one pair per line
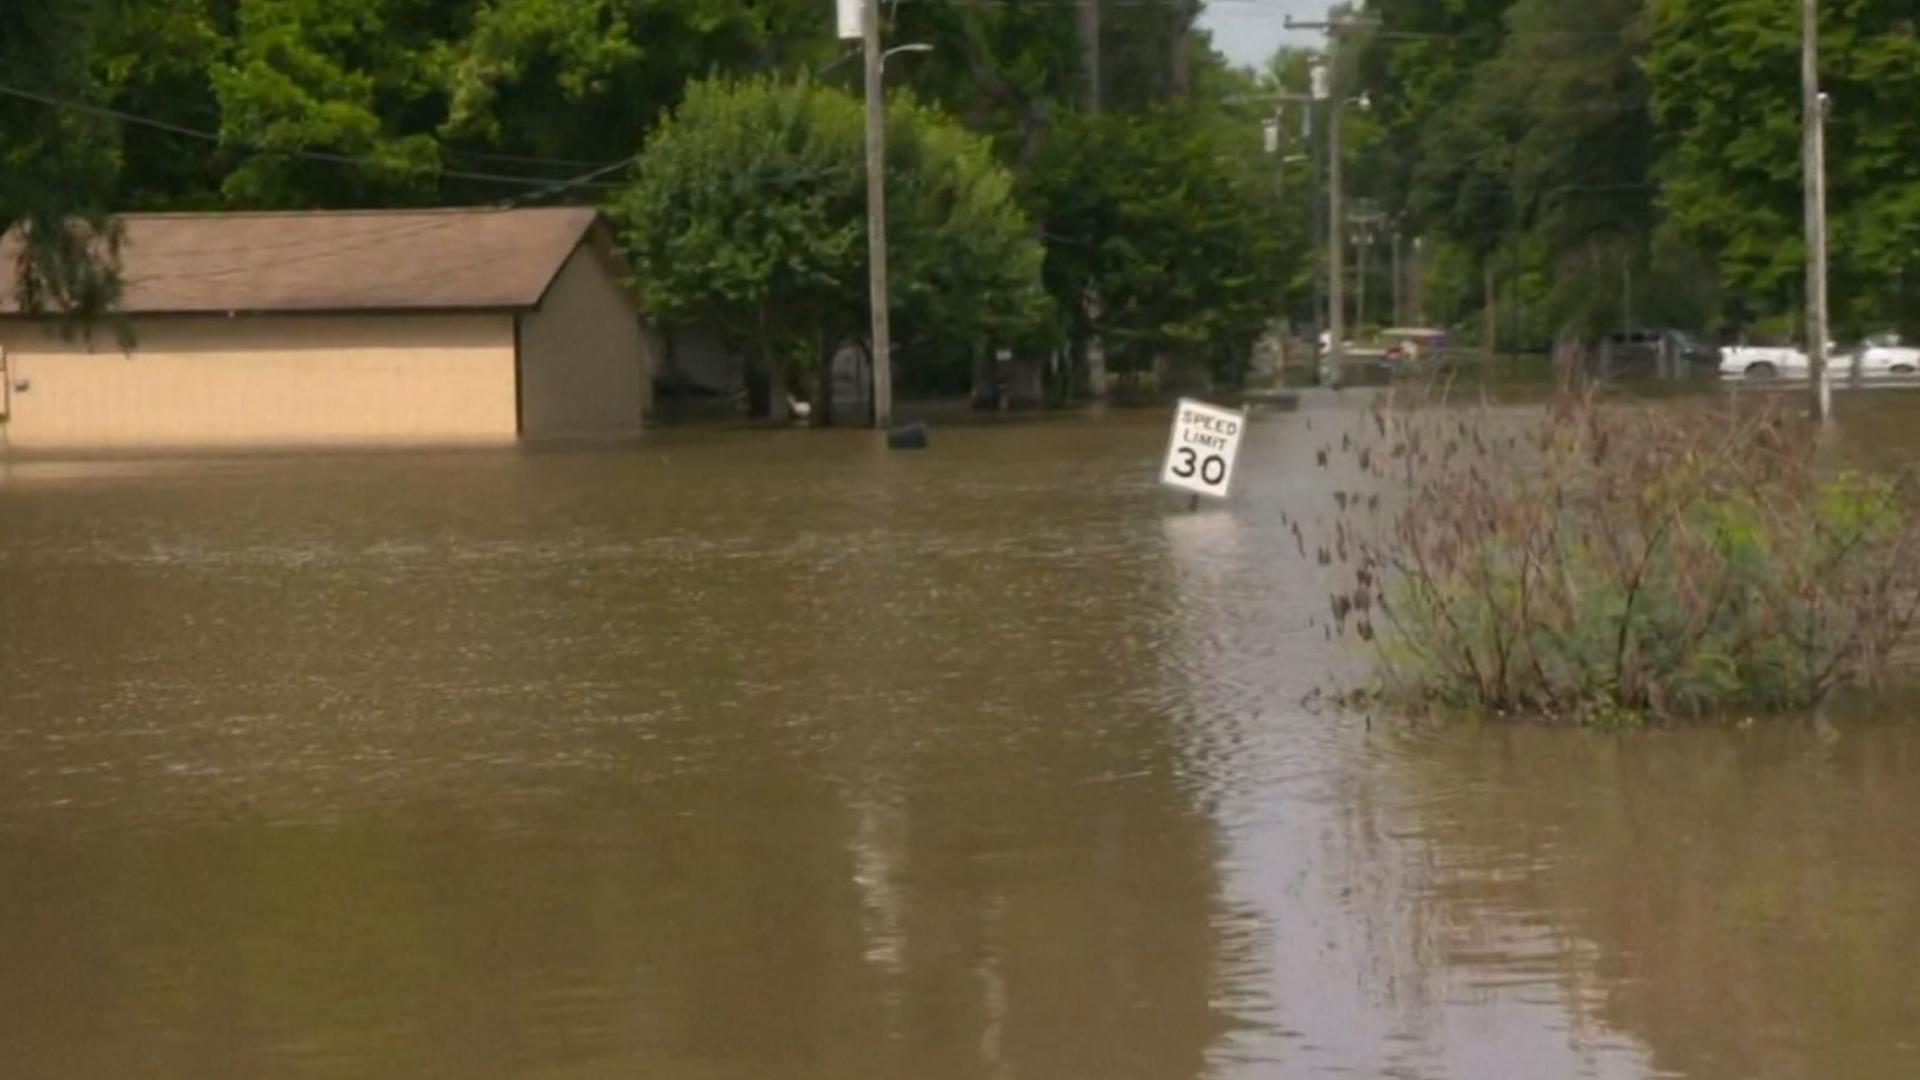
86, 108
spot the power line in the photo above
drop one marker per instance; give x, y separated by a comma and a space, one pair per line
544, 183
522, 159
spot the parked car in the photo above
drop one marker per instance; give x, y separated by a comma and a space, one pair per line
1762, 361
1407, 344
1638, 351
1890, 358
1870, 360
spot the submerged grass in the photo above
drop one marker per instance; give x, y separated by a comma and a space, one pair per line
1613, 563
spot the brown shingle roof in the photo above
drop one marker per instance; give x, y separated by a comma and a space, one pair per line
338, 260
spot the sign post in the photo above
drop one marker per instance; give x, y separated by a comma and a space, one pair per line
1202, 447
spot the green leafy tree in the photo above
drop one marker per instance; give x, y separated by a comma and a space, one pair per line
353, 78
56, 164
1725, 82
579, 80
1519, 134
748, 214
154, 59
1163, 239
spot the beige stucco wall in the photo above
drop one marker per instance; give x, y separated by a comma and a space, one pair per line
585, 365
194, 381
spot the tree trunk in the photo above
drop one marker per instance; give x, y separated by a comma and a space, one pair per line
984, 395
776, 396
822, 415
1489, 341
758, 379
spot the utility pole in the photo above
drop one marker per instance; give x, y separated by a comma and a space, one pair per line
1340, 21
877, 221
1090, 31
1273, 140
1089, 20
1813, 122
1336, 226
1316, 92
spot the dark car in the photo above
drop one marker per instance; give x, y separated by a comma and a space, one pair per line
1637, 352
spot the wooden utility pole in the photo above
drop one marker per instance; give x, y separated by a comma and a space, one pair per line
877, 221
1316, 214
1813, 124
1089, 20
1340, 21
1336, 224
1096, 351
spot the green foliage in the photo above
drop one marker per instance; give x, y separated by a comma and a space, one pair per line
54, 166
1167, 218
1603, 563
962, 258
341, 103
347, 76
1520, 133
1726, 85
1640, 153
748, 214
581, 79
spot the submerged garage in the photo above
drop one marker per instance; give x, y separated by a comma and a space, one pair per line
337, 327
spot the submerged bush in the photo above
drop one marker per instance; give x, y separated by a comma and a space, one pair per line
1617, 562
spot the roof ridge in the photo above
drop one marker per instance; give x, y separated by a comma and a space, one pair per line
375, 211
482, 258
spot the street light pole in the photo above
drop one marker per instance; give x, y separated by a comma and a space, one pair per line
1813, 123
1336, 235
882, 355
1340, 22
1317, 234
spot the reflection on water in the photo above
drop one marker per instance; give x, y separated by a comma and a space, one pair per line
1746, 894
773, 754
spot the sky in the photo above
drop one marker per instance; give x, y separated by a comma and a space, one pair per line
1248, 31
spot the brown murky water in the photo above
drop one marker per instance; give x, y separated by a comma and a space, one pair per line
774, 755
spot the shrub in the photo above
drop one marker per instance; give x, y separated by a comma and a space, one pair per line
1611, 562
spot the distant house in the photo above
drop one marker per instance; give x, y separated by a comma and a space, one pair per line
338, 327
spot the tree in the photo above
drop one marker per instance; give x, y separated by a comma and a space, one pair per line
748, 215
1725, 84
55, 163
580, 79
1518, 135
1168, 218
347, 77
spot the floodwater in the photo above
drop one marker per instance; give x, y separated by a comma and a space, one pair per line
771, 754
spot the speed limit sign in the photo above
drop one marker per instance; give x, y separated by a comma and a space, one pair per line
1201, 450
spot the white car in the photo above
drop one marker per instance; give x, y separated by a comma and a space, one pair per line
1764, 362
1889, 360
